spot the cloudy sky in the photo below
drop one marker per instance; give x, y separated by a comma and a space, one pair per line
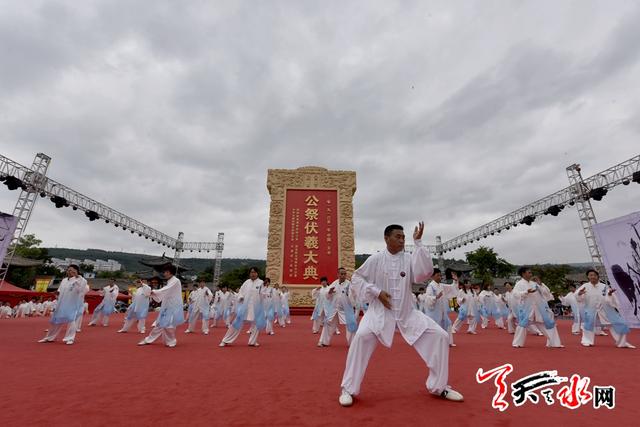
454, 112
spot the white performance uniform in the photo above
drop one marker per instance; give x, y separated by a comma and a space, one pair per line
71, 294
141, 294
571, 300
249, 292
340, 298
171, 313
110, 295
394, 274
511, 327
202, 307
5, 312
464, 300
438, 308
597, 299
534, 301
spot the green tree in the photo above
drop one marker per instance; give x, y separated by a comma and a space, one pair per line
552, 275
28, 246
487, 264
234, 278
86, 268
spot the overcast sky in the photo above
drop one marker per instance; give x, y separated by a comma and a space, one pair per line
453, 112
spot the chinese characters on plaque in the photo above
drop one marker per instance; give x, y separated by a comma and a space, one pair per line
311, 239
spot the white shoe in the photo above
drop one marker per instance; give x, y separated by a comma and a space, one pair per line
142, 331
187, 331
254, 345
453, 345
70, 342
451, 394
170, 345
222, 344
120, 331
78, 330
143, 342
627, 345
345, 399
337, 332
206, 333
45, 340
272, 333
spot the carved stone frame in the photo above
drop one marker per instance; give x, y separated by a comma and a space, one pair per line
314, 178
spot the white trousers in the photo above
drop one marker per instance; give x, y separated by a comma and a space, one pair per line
432, 346
589, 338
575, 327
79, 322
473, 324
511, 326
194, 321
329, 330
95, 318
128, 323
281, 321
233, 333
54, 330
500, 322
269, 328
316, 325
168, 336
553, 338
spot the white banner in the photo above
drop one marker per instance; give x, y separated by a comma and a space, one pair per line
7, 227
619, 243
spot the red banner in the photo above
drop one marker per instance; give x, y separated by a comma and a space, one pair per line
310, 236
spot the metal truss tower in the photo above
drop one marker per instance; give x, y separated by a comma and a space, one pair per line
595, 187
586, 215
218, 263
31, 185
34, 182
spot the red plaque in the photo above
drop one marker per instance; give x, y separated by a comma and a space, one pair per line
310, 236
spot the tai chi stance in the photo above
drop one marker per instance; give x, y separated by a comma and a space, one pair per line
71, 296
171, 310
384, 281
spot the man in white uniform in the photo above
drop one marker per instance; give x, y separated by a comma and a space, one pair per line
601, 305
139, 308
437, 301
171, 310
201, 307
249, 309
343, 307
384, 281
532, 308
107, 307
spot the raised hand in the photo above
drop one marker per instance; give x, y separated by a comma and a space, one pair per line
417, 232
454, 276
439, 295
385, 299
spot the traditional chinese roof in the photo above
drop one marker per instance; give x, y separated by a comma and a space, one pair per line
158, 262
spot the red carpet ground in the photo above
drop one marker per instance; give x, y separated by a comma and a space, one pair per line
105, 379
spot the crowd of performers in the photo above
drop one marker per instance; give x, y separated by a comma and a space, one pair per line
29, 308
257, 302
381, 289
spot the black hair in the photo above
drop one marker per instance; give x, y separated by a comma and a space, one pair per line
390, 228
255, 269
436, 271
324, 278
592, 270
267, 280
342, 268
75, 267
170, 268
523, 270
